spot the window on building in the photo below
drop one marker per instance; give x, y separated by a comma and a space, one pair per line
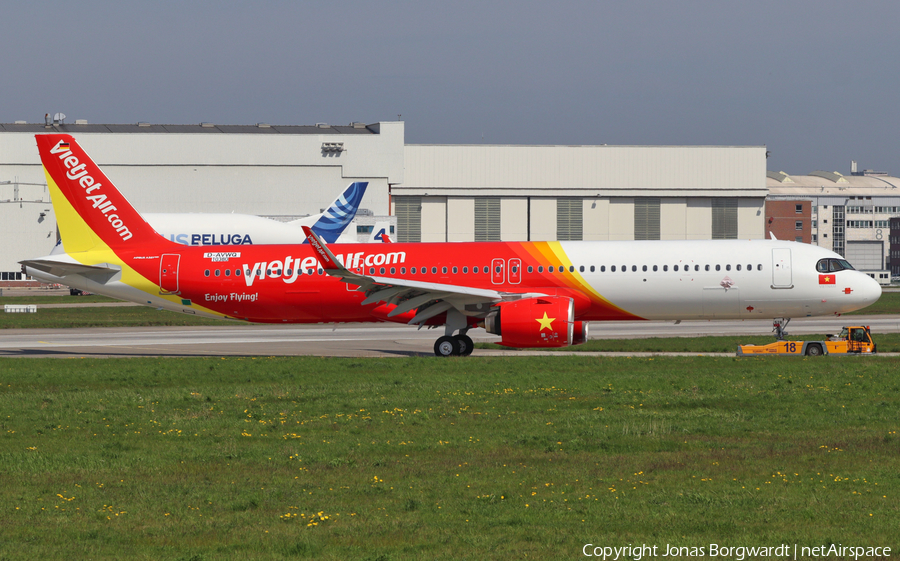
798, 209
409, 218
646, 218
724, 218
798, 225
487, 219
569, 218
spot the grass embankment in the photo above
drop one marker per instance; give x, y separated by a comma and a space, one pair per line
442, 459
127, 316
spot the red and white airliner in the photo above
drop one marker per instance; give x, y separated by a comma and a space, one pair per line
532, 294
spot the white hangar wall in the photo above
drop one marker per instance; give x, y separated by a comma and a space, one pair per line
509, 193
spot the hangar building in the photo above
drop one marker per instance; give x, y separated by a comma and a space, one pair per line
848, 214
432, 192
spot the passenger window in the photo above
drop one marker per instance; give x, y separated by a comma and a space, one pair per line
475, 270
634, 268
561, 268
381, 270
759, 267
645, 268
371, 271
206, 273
624, 268
550, 269
238, 272
434, 270
228, 272
321, 271
592, 268
706, 267
581, 269
665, 267
675, 268
718, 267
540, 268
455, 270
444, 270
738, 266
402, 270
696, 267
749, 267
514, 269
655, 268
612, 268
728, 267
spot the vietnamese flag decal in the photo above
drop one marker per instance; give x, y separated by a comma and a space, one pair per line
826, 279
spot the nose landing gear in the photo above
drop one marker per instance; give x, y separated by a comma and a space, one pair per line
778, 327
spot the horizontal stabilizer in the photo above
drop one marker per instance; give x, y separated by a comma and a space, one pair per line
59, 268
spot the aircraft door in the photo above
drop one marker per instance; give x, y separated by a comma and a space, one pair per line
497, 272
781, 268
168, 273
515, 271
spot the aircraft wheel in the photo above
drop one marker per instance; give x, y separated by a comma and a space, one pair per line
814, 350
446, 346
466, 345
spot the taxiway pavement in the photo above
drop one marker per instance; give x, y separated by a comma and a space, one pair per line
358, 340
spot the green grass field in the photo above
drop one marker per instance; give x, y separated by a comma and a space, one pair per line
276, 458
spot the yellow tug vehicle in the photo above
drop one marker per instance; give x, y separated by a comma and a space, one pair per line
856, 339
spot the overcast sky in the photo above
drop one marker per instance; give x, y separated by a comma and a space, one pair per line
815, 81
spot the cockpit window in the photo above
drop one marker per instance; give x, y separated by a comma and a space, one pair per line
832, 265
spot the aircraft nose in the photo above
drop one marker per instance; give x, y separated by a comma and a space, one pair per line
869, 291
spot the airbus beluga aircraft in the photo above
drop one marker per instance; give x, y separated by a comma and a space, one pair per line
531, 294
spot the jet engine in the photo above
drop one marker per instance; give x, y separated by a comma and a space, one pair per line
545, 321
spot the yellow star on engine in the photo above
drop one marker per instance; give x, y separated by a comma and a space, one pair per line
546, 323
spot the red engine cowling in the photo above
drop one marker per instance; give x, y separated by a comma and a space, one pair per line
546, 321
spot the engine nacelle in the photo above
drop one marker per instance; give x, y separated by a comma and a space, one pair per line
545, 321
579, 332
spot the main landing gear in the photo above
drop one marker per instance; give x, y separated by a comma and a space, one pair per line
454, 345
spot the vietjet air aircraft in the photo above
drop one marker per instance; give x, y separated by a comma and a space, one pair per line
532, 294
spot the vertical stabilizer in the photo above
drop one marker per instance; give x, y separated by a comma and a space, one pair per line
92, 214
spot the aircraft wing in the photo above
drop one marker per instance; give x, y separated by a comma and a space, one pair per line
61, 268
409, 294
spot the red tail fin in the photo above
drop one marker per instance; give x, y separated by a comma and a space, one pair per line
90, 210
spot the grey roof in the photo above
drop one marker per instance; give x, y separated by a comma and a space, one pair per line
202, 128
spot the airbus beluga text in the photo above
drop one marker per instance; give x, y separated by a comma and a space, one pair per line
532, 294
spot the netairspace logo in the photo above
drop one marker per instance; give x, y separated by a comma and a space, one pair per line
739, 553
